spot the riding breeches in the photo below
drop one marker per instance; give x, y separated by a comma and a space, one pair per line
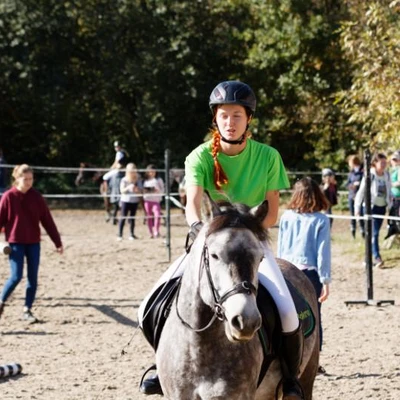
269, 275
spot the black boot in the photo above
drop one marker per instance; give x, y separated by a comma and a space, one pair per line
292, 353
150, 385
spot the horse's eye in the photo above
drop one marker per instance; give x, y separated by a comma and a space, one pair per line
262, 258
214, 256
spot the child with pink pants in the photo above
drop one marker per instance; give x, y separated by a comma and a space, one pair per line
153, 189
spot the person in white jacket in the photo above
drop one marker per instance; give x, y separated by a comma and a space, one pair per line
381, 200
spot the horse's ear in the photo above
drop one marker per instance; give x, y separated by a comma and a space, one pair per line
215, 210
260, 211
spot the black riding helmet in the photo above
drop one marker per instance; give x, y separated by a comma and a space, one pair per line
233, 92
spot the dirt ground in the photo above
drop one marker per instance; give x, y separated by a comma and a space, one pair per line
88, 298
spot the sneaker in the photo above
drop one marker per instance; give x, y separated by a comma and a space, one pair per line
378, 263
1, 308
119, 238
132, 238
29, 317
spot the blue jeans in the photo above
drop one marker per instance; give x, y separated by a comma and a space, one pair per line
376, 226
16, 257
313, 276
353, 221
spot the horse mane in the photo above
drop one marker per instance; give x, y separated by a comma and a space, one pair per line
237, 215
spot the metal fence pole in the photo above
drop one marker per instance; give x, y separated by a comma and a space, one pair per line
167, 202
368, 240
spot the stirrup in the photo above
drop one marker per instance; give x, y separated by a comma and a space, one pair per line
151, 368
151, 385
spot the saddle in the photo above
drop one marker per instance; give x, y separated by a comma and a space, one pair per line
159, 306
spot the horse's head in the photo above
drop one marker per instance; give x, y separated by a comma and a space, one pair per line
231, 255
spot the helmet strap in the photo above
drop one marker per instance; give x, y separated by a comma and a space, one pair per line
239, 141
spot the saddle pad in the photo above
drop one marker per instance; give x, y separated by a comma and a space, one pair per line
306, 316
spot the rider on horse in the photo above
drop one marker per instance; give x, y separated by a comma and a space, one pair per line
235, 167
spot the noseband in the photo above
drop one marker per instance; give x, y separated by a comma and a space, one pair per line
245, 287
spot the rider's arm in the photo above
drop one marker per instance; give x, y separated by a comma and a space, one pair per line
273, 207
194, 196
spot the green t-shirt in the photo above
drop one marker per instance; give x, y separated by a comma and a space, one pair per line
395, 177
257, 170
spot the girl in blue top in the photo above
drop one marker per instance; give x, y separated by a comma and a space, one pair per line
304, 237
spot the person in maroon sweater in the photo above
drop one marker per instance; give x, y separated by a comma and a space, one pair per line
22, 210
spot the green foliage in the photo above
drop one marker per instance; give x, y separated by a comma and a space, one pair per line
370, 41
77, 75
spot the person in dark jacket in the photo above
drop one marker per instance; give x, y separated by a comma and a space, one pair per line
22, 210
329, 188
353, 184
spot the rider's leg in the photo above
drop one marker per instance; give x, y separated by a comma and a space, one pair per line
174, 270
271, 278
152, 385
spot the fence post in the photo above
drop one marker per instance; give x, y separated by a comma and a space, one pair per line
167, 202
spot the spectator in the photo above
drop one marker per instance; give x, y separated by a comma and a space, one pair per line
22, 209
121, 155
394, 225
329, 187
153, 189
130, 188
353, 184
113, 180
380, 200
304, 238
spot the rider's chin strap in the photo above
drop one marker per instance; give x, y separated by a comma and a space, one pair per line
239, 141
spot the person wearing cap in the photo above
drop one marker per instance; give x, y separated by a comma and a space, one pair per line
329, 187
353, 184
234, 166
121, 155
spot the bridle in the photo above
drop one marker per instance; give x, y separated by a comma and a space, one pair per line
245, 287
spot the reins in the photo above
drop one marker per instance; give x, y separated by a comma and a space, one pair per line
245, 287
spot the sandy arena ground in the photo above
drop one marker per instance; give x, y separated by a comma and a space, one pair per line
88, 298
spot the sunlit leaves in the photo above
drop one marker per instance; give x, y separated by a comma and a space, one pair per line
372, 44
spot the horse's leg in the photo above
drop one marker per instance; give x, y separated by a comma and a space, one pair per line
106, 200
308, 376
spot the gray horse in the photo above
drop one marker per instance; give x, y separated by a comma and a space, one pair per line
209, 348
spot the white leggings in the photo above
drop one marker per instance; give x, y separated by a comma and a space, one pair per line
270, 276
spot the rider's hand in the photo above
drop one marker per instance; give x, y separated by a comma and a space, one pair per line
195, 229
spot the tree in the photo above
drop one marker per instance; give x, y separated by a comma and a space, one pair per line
370, 41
